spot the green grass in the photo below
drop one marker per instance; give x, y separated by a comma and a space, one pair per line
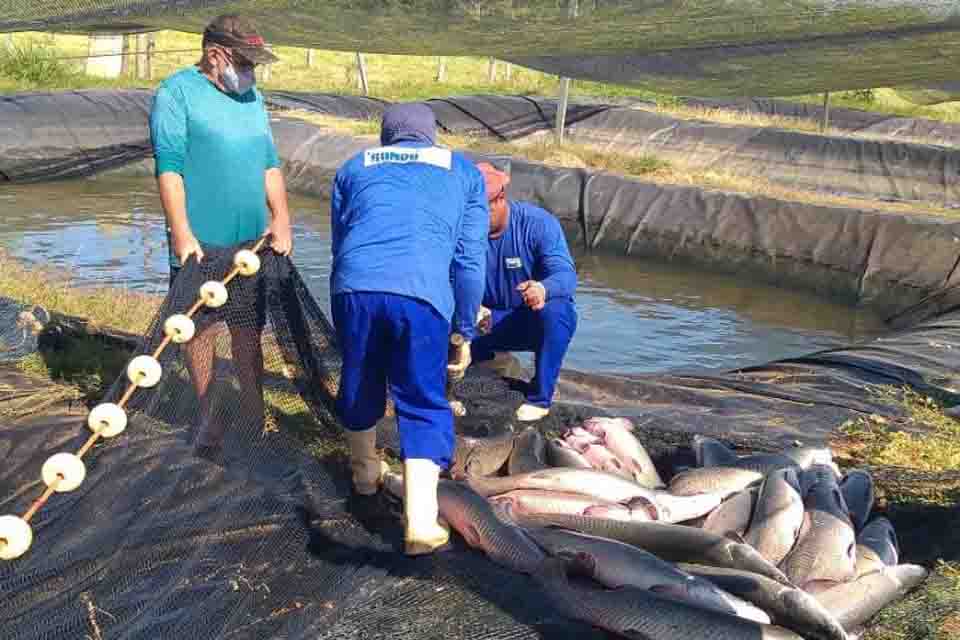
104, 306
925, 439
392, 77
910, 454
886, 100
931, 612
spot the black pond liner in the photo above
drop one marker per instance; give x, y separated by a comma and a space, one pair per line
257, 541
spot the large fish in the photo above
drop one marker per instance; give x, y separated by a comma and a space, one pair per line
529, 452
732, 517
603, 486
480, 456
640, 614
825, 552
617, 436
673, 542
778, 515
818, 473
474, 519
877, 547
624, 424
788, 607
615, 564
725, 480
710, 452
599, 484
538, 501
579, 438
602, 459
857, 490
561, 454
856, 602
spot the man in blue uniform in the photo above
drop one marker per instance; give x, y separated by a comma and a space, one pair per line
220, 185
530, 284
409, 226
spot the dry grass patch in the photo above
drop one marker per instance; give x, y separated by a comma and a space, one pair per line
113, 307
737, 118
926, 439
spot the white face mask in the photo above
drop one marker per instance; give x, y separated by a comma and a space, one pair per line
237, 82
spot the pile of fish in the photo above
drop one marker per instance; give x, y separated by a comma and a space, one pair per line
773, 545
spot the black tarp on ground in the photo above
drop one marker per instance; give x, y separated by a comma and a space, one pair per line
842, 165
867, 168
46, 136
502, 117
77, 133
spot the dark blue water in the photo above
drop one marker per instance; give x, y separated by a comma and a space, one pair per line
634, 316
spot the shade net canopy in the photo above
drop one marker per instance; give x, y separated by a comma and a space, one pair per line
699, 47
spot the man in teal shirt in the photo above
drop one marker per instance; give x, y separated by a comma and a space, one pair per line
219, 178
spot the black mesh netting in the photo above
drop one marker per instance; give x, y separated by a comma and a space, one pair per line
256, 539
253, 541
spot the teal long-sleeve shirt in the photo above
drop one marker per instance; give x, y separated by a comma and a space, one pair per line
222, 145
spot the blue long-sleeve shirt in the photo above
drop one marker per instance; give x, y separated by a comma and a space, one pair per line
412, 219
532, 247
222, 145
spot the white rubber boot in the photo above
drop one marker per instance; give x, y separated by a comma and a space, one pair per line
422, 532
367, 467
531, 413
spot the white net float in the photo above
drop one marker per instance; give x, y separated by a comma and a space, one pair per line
65, 470
16, 536
214, 294
107, 419
144, 371
246, 262
179, 328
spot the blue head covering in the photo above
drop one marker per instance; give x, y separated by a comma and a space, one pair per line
410, 122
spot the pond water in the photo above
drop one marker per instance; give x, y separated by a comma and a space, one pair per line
635, 316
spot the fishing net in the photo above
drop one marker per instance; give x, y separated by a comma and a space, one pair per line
165, 539
703, 47
257, 538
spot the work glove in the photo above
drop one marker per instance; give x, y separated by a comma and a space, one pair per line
484, 321
458, 362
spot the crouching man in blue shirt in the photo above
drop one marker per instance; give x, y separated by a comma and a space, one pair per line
530, 284
409, 223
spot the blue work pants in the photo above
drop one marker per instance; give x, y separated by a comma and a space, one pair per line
547, 333
392, 339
